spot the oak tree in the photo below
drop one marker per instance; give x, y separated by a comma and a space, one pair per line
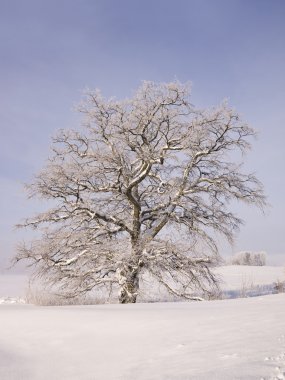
143, 188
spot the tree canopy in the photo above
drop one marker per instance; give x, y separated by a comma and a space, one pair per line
141, 189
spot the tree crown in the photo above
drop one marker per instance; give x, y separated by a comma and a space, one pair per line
136, 169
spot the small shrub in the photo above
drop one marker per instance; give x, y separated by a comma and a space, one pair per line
279, 286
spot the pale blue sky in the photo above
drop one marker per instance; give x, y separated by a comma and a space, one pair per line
51, 50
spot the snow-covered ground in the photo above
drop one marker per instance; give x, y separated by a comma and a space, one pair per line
234, 277
231, 339
246, 281
227, 339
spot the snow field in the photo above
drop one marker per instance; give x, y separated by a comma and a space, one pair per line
232, 339
227, 339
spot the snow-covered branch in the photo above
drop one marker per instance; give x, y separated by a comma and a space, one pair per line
137, 169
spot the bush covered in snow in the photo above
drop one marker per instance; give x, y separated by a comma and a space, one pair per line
249, 258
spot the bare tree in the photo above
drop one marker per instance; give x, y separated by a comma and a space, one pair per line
143, 187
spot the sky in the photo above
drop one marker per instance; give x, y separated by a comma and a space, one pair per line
50, 51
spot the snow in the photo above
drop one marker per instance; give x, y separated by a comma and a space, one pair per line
231, 339
242, 338
234, 277
12, 300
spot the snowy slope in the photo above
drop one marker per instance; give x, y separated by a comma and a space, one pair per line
231, 339
234, 277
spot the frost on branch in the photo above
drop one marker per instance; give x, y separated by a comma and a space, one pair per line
136, 171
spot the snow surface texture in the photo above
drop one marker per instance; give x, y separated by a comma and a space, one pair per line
229, 339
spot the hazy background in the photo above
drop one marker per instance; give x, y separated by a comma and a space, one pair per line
51, 50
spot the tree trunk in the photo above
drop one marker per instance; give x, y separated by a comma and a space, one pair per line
128, 274
128, 283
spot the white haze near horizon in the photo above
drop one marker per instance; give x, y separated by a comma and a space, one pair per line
51, 51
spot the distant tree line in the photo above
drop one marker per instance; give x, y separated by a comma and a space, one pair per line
249, 258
